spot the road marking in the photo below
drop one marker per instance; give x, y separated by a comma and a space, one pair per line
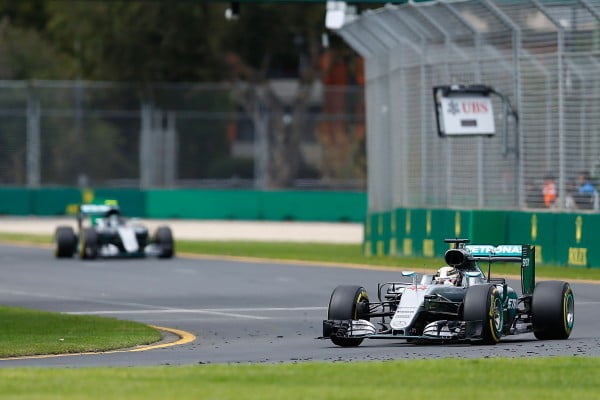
225, 312
184, 338
144, 307
168, 311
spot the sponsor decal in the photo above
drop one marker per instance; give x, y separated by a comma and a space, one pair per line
578, 227
464, 115
420, 287
428, 247
367, 249
393, 246
578, 256
538, 254
534, 227
94, 208
407, 247
505, 250
457, 224
428, 223
87, 195
380, 247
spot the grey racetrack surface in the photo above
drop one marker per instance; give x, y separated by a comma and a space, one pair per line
239, 311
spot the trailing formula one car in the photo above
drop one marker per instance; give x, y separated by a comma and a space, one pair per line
108, 234
458, 304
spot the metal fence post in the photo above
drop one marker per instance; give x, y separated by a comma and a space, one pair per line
170, 150
260, 119
146, 146
516, 47
33, 141
561, 102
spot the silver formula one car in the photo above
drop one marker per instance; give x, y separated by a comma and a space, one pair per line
108, 234
459, 303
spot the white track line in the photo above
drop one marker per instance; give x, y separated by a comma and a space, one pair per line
148, 308
167, 311
225, 312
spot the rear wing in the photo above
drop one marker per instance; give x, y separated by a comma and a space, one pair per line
96, 210
524, 254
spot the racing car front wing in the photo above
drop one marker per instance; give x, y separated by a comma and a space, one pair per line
443, 330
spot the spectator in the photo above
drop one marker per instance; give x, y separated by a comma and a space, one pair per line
533, 195
571, 195
587, 195
549, 191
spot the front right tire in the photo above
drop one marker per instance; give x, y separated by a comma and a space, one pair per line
88, 246
65, 242
483, 304
348, 302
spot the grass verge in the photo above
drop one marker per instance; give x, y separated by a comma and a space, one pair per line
352, 254
324, 252
29, 332
500, 378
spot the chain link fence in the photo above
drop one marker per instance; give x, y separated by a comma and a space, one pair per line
543, 55
277, 135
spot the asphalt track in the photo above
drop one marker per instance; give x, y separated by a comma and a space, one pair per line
240, 311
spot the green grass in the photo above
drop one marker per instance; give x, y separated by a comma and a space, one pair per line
29, 332
449, 379
25, 238
352, 254
336, 253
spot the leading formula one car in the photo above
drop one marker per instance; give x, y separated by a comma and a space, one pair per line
458, 304
108, 234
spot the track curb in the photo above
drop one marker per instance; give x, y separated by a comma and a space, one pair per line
184, 337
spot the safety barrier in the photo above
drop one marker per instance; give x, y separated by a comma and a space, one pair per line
193, 204
560, 238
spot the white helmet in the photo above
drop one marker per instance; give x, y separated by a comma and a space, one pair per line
447, 275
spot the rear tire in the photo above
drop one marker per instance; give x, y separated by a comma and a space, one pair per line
164, 239
348, 302
65, 242
553, 310
88, 248
483, 303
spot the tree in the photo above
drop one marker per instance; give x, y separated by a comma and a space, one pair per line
258, 54
140, 41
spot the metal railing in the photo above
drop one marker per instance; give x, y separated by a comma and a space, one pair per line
102, 134
544, 55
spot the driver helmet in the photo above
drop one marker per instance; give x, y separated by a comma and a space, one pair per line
113, 220
447, 276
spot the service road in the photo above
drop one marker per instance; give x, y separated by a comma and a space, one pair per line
240, 311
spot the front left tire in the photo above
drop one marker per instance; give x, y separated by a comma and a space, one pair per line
164, 240
348, 302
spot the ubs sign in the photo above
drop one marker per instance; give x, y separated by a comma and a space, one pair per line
464, 110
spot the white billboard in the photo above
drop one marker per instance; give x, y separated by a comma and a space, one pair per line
463, 113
